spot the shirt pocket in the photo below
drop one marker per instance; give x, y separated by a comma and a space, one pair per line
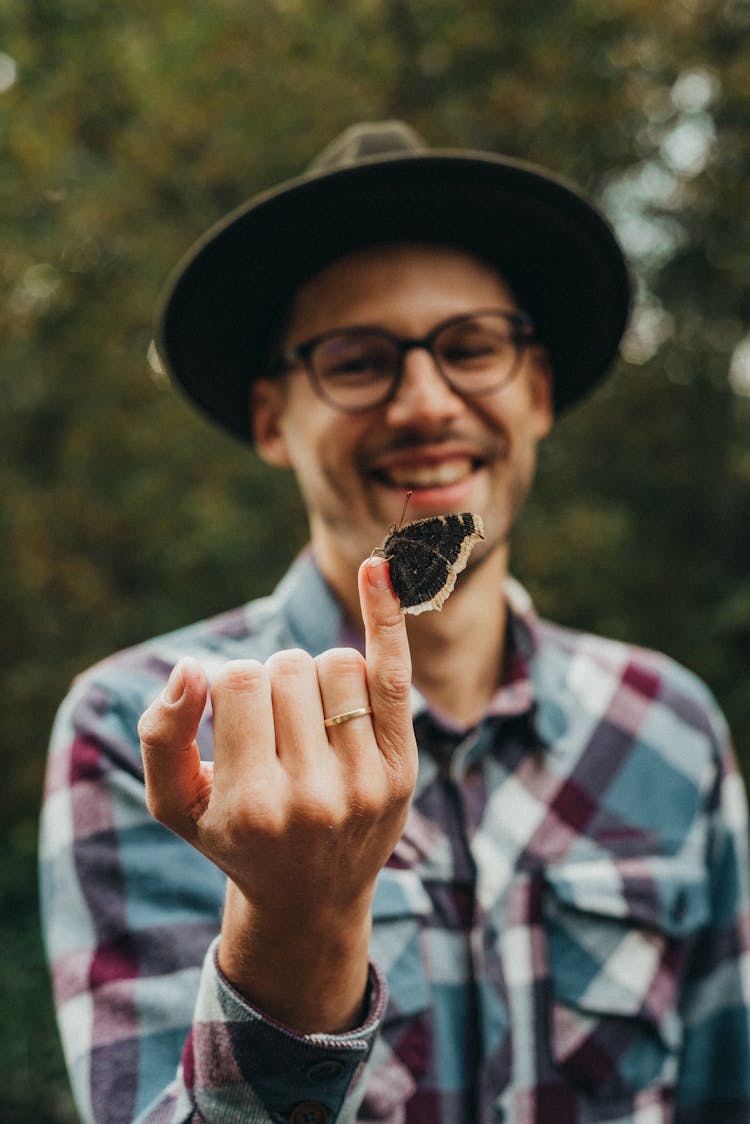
617, 935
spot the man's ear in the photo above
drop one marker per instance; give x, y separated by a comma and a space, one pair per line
541, 382
268, 404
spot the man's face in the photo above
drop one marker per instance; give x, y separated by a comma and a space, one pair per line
454, 454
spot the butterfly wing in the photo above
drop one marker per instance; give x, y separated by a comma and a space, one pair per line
426, 555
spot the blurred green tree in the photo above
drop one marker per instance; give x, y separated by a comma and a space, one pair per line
127, 127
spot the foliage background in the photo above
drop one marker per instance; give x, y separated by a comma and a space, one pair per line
127, 127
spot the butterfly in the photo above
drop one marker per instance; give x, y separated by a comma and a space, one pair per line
426, 555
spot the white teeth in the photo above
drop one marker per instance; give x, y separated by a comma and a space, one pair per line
431, 476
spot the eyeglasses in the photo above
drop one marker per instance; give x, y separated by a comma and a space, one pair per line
357, 369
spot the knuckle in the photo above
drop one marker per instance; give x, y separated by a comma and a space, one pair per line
259, 820
148, 728
403, 784
292, 663
238, 675
367, 800
317, 810
390, 620
402, 762
341, 663
394, 681
155, 731
390, 625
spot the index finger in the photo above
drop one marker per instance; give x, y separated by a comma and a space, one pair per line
386, 653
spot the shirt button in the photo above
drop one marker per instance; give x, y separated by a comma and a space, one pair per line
321, 1071
310, 1112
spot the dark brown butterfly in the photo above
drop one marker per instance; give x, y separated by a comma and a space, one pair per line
426, 555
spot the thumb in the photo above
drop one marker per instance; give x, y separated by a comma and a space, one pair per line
387, 657
178, 784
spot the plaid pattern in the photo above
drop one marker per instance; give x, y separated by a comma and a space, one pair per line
560, 937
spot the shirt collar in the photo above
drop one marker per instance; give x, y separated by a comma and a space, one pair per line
314, 617
515, 695
316, 621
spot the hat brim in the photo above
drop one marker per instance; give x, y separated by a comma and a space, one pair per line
556, 251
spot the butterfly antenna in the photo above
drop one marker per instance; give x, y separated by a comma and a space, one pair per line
403, 509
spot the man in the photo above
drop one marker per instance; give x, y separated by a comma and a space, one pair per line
477, 869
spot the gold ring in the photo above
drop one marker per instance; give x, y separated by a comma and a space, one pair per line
347, 716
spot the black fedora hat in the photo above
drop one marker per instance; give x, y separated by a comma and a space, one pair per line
375, 184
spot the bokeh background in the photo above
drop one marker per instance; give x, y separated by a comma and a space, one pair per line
128, 126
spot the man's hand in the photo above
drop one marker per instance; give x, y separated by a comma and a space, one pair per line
300, 816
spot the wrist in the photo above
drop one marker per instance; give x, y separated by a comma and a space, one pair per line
308, 973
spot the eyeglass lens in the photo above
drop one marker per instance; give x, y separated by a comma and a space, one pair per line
476, 354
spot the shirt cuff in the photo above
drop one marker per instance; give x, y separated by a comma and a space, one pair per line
239, 1063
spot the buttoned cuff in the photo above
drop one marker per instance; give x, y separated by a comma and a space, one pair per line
242, 1065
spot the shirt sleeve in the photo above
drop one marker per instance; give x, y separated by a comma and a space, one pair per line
151, 1030
714, 1079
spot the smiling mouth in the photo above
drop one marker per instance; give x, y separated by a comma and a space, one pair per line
440, 474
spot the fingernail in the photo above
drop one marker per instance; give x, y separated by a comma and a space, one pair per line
175, 686
377, 573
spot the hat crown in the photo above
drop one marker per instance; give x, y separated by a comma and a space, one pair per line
379, 183
365, 140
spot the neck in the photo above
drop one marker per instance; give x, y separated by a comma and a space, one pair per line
457, 654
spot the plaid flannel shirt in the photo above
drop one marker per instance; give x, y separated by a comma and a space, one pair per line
560, 937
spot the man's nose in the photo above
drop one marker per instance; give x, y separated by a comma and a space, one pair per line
423, 395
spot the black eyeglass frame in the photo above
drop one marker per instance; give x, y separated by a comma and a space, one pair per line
302, 353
